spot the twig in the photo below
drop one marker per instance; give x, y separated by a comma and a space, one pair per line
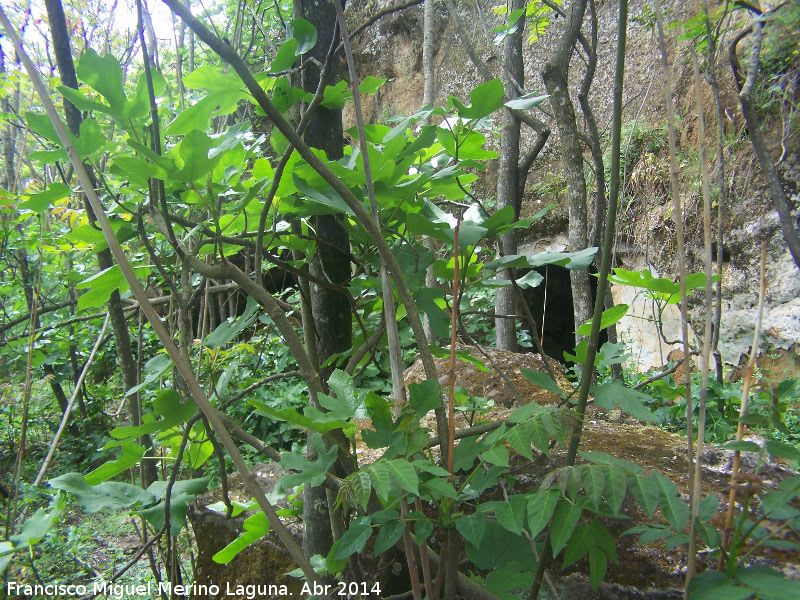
68, 410
677, 209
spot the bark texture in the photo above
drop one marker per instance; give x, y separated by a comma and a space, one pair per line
507, 181
330, 309
555, 75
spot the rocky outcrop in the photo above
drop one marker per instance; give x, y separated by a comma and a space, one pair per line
392, 49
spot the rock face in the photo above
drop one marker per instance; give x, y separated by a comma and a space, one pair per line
392, 49
261, 565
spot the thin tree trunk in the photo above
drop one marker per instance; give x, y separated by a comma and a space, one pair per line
555, 76
427, 100
7, 136
722, 202
330, 309
508, 177
764, 159
119, 324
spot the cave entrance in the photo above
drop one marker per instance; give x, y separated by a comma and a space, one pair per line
551, 305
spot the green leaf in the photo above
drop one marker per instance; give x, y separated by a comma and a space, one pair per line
255, 527
388, 534
497, 455
189, 487
347, 404
466, 452
381, 479
616, 487
743, 446
423, 530
285, 58
404, 475
336, 96
238, 507
542, 380
675, 510
578, 545
429, 467
169, 405
709, 506
472, 527
646, 492
35, 528
565, 518
519, 439
359, 485
629, 400
782, 450
82, 102
91, 139
177, 513
594, 483
194, 149
225, 332
111, 494
194, 117
354, 539
713, 585
308, 472
609, 317
41, 124
511, 576
652, 532
322, 202
711, 536
305, 34
400, 129
769, 584
484, 100
319, 423
663, 288
571, 260
598, 563
132, 453
440, 488
527, 101
370, 85
43, 200
104, 75
540, 508
424, 397
461, 355
511, 514
102, 286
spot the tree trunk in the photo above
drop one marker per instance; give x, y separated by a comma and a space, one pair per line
774, 184
330, 309
7, 136
555, 76
507, 188
122, 339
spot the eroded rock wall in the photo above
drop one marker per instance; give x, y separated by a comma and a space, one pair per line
392, 48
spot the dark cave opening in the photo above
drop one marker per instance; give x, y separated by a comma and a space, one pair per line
551, 305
